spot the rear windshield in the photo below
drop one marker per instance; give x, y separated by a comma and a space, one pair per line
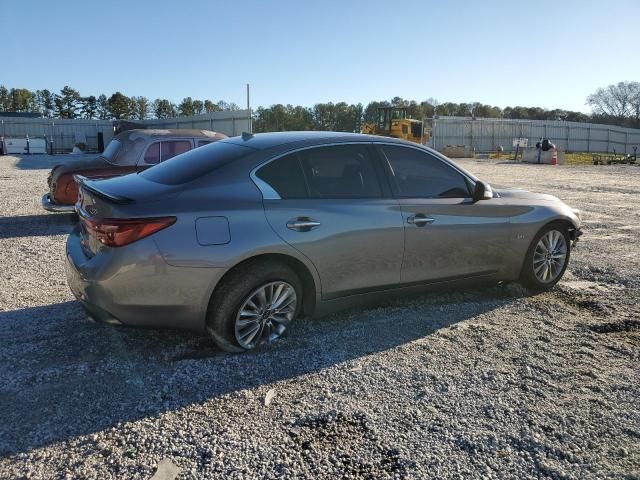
193, 164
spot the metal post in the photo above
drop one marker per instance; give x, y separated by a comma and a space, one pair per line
626, 141
589, 139
433, 131
249, 111
493, 135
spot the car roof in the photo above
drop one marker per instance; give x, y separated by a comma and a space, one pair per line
172, 132
262, 141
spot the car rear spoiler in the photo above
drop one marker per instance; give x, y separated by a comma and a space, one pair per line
90, 185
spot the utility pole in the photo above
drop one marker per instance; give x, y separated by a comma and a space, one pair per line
249, 111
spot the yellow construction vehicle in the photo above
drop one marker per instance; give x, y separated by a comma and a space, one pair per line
393, 122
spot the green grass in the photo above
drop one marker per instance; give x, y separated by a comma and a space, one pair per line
578, 158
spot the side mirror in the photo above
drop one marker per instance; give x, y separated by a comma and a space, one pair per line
482, 191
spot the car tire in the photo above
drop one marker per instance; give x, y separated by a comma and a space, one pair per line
532, 280
239, 287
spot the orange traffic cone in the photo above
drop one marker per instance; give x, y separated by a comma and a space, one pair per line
554, 157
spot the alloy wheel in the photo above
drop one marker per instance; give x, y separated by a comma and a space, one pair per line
550, 256
265, 314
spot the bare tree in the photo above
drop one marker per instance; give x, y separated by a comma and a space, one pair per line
619, 101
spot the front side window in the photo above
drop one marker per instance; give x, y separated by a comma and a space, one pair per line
345, 171
418, 174
171, 148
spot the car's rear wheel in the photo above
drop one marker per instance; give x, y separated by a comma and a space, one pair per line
254, 305
547, 257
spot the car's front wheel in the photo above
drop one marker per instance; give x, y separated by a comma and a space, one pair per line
547, 257
254, 305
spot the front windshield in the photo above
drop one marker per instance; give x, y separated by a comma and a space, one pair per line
398, 114
112, 150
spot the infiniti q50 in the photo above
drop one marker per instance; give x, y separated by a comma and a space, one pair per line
241, 237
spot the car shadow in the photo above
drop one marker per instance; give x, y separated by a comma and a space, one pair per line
62, 376
37, 225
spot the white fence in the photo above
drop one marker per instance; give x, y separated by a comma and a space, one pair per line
230, 123
486, 134
65, 133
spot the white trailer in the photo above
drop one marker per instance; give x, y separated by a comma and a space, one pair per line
18, 146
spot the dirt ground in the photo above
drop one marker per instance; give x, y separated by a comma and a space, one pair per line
484, 383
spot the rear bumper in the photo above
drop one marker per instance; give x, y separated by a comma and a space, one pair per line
51, 206
133, 285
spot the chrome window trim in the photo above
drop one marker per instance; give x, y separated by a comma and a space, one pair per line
268, 193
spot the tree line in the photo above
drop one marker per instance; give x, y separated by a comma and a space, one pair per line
617, 104
70, 104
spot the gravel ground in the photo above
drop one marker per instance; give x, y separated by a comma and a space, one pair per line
486, 383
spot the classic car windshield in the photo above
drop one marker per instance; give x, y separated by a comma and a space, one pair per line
111, 151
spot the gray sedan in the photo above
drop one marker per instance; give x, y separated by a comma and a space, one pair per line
243, 236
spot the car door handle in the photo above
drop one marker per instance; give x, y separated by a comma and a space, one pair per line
420, 220
302, 224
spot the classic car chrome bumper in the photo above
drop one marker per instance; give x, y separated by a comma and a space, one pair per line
50, 206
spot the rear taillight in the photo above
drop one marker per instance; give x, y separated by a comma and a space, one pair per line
117, 232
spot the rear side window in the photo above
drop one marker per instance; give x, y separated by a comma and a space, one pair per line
345, 171
195, 163
418, 174
172, 148
152, 156
204, 142
285, 176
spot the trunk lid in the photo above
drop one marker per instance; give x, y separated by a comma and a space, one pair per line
103, 197
84, 164
114, 198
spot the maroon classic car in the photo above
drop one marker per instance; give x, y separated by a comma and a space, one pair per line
128, 152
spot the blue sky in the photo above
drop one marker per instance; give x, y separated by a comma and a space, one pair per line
533, 53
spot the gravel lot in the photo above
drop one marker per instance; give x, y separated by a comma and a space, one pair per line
491, 383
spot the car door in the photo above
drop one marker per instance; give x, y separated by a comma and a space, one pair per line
330, 204
447, 235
